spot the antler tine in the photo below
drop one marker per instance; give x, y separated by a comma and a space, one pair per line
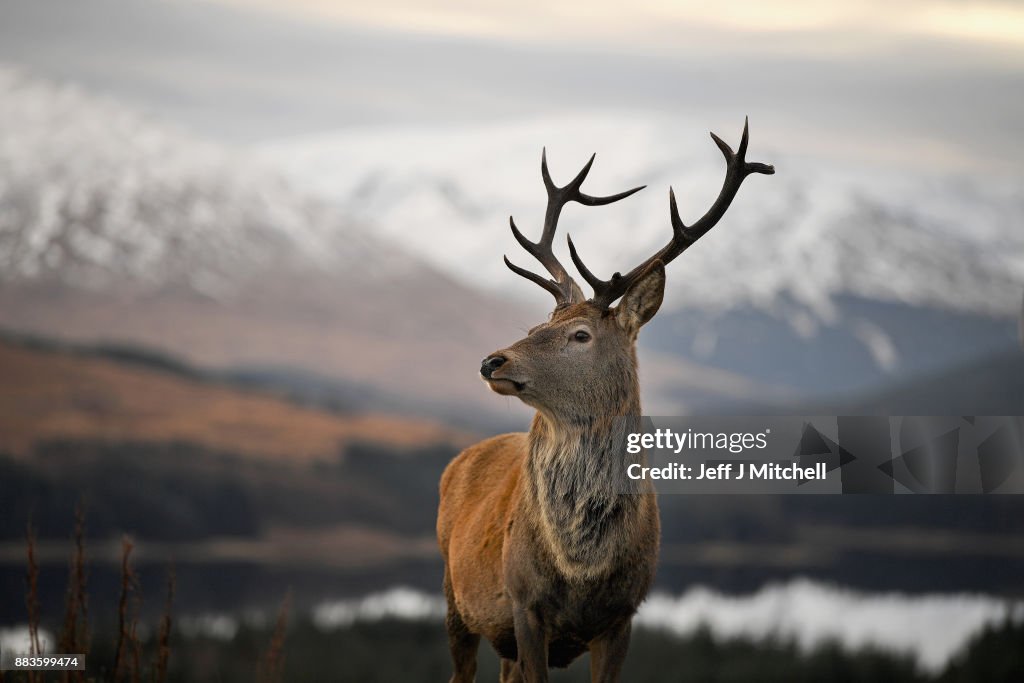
533, 277
606, 292
562, 286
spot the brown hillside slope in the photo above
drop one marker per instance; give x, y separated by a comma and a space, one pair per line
52, 395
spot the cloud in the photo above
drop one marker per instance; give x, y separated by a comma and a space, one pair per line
657, 25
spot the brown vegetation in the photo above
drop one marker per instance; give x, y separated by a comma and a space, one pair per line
74, 636
329, 324
272, 660
127, 663
32, 597
47, 395
126, 655
163, 638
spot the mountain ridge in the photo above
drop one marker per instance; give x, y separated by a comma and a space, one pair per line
117, 227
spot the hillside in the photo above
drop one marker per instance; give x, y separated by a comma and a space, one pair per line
828, 277
53, 396
118, 227
246, 485
200, 469
990, 385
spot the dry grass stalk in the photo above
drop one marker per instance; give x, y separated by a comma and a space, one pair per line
127, 652
74, 637
272, 661
135, 672
32, 597
163, 640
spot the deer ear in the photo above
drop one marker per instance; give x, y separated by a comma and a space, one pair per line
642, 300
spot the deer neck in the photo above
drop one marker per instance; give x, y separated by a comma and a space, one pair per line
576, 474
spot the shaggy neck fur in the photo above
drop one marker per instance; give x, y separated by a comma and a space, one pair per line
576, 470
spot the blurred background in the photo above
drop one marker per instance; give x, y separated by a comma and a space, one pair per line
250, 258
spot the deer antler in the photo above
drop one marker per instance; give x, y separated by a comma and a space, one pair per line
564, 289
606, 292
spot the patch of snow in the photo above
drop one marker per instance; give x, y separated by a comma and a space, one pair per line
878, 343
930, 628
214, 626
15, 640
400, 603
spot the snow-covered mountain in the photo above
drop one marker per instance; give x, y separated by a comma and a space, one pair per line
827, 276
117, 227
94, 194
374, 255
815, 230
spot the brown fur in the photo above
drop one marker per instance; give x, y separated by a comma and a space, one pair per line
548, 551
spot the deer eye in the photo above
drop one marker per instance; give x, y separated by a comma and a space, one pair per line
582, 336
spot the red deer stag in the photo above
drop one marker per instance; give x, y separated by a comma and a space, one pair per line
546, 553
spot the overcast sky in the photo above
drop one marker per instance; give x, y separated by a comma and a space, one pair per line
921, 84
655, 26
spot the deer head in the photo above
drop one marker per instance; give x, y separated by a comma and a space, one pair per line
582, 361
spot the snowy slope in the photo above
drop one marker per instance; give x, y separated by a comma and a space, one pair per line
338, 253
814, 231
115, 226
94, 194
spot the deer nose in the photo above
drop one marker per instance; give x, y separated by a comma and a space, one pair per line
490, 364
